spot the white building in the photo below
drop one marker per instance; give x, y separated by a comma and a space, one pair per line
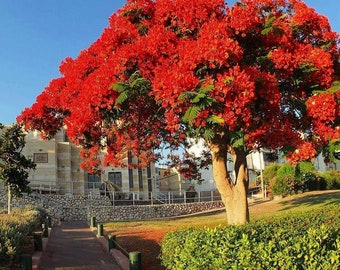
58, 169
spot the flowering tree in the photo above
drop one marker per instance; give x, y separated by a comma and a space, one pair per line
258, 74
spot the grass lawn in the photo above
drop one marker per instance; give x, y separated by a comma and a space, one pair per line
146, 236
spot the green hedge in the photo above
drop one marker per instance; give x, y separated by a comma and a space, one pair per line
14, 229
308, 240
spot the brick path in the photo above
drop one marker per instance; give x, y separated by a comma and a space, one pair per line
73, 246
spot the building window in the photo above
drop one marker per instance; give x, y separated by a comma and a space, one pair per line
130, 170
140, 178
148, 171
130, 178
40, 158
93, 180
116, 178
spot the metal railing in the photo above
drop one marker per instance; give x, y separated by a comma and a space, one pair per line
92, 190
151, 198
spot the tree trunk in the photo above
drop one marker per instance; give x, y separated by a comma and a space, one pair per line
9, 199
233, 193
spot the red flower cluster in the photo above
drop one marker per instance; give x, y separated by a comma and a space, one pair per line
305, 151
92, 161
324, 109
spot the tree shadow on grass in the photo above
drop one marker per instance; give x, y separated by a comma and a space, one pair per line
309, 200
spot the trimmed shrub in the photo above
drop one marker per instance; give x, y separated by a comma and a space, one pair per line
309, 240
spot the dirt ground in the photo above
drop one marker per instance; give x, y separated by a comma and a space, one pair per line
147, 239
146, 242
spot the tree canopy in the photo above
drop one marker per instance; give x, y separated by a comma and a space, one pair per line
257, 74
14, 166
260, 73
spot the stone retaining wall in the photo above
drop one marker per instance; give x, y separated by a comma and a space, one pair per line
147, 212
69, 208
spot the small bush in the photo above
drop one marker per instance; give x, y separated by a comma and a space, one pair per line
14, 229
287, 173
314, 181
270, 172
305, 167
286, 179
309, 240
308, 176
279, 186
285, 169
286, 182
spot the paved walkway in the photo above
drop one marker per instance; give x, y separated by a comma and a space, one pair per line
73, 246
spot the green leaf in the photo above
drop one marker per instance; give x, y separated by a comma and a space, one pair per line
198, 97
186, 95
229, 80
335, 88
214, 119
138, 81
201, 70
121, 98
326, 46
269, 21
238, 143
334, 146
266, 30
262, 59
237, 139
307, 67
182, 95
206, 89
209, 134
119, 87
191, 114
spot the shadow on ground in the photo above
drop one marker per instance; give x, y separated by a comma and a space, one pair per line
331, 197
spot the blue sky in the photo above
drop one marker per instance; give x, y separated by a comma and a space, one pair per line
36, 35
